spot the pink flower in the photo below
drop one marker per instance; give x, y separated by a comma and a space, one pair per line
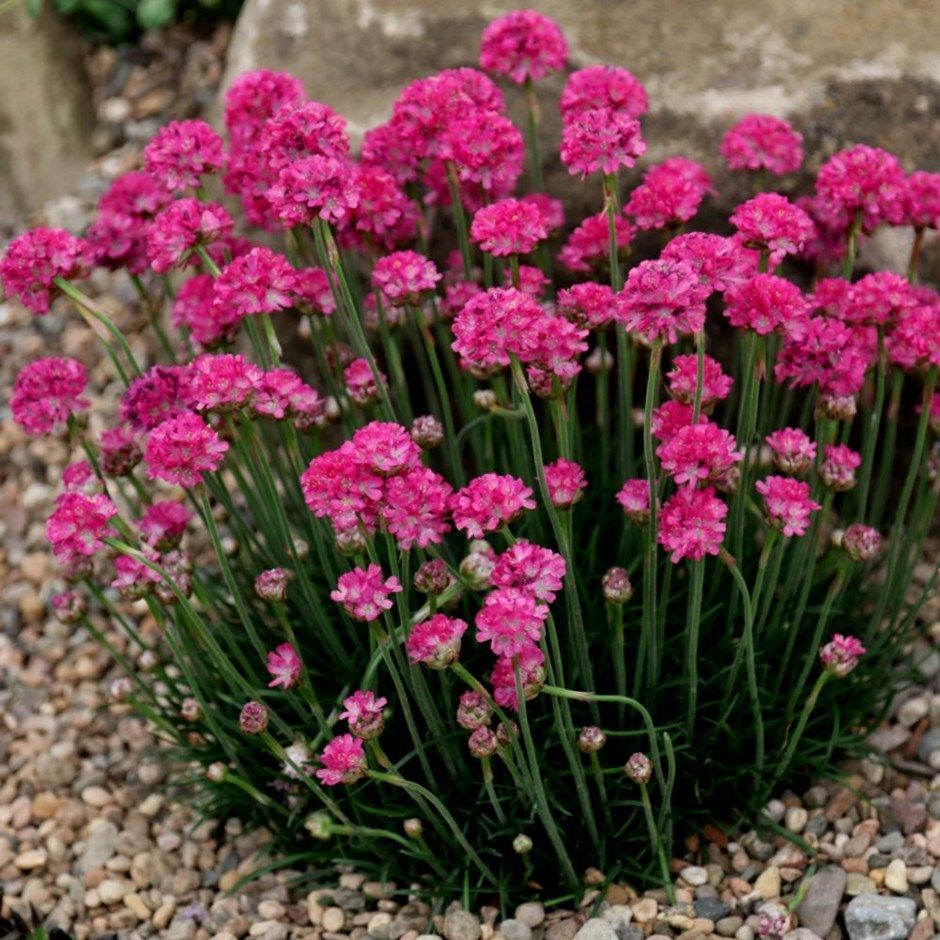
550, 209
531, 675
255, 96
914, 340
483, 742
312, 289
193, 310
861, 181
301, 130
763, 142
415, 508
364, 714
532, 281
360, 382
78, 525
824, 352
523, 46
691, 524
253, 718
163, 524
634, 497
271, 585
765, 304
879, 299
486, 149
404, 276
509, 620
770, 222
120, 451
161, 392
259, 281
314, 187
787, 503
47, 393
603, 86
669, 195
661, 300
364, 593
79, 476
531, 568
436, 641
792, 450
508, 227
336, 484
841, 654
565, 480
385, 215
494, 325
669, 417
683, 379
921, 200
599, 140
720, 262
489, 502
588, 305
385, 448
837, 470
222, 381
698, 453
279, 392
285, 665
588, 245
35, 259
181, 153
344, 761
473, 711
861, 542
181, 227
182, 449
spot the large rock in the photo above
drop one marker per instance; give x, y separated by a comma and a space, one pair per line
45, 111
820, 905
877, 917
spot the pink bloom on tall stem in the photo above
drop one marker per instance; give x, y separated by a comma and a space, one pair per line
285, 665
861, 542
259, 281
634, 497
670, 194
788, 504
770, 222
34, 259
222, 381
486, 149
193, 310
360, 382
79, 523
792, 451
80, 477
698, 453
837, 470
365, 593
763, 142
404, 276
363, 711
181, 227
523, 46
879, 299
416, 507
766, 303
312, 290
589, 304
47, 393
161, 392
301, 130
344, 761
314, 187
662, 300
163, 523
385, 448
436, 641
489, 502
603, 86
181, 153
692, 524
509, 620
253, 97
565, 481
508, 227
494, 325
531, 568
721, 263
588, 245
682, 380
861, 182
921, 200
841, 654
531, 666
181, 450
601, 141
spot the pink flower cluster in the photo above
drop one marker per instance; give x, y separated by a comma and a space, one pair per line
661, 300
47, 393
763, 142
33, 260
788, 504
670, 194
365, 592
523, 46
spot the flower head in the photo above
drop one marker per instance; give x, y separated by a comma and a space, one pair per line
661, 300
120, 451
603, 86
271, 585
763, 142
285, 666
489, 502
634, 497
35, 259
361, 381
861, 542
841, 654
531, 568
47, 393
792, 451
416, 507
473, 710
364, 714
404, 276
509, 620
259, 281
861, 182
691, 524
182, 449
921, 200
682, 380
788, 504
565, 481
639, 768
163, 524
508, 227
616, 586
669, 195
314, 187
770, 222
253, 718
837, 470
721, 263
588, 304
181, 227
79, 524
766, 303
344, 761
181, 153
601, 141
588, 244
531, 666
365, 593
698, 453
436, 641
523, 45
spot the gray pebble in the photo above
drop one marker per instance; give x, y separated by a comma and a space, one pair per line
460, 925
513, 929
878, 917
596, 929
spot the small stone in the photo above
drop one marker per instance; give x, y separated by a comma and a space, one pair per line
694, 876
270, 909
896, 877
135, 904
929, 746
45, 805
99, 846
563, 929
531, 913
460, 925
164, 913
712, 908
728, 926
857, 845
796, 819
815, 797
111, 891
820, 905
333, 919
890, 842
921, 874
378, 924
96, 796
913, 710
30, 860
840, 804
801, 933
744, 932
645, 910
151, 805
768, 884
513, 929
595, 928
877, 917
856, 884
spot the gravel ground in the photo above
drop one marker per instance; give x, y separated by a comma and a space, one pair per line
92, 839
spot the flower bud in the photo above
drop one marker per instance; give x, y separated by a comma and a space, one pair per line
253, 718
319, 825
68, 606
861, 542
271, 585
639, 768
413, 827
147, 661
841, 654
773, 922
837, 407
301, 548
522, 844
121, 689
506, 733
616, 585
485, 399
432, 577
474, 711
190, 710
591, 739
482, 742
216, 772
350, 542
598, 360
477, 567
179, 566
427, 432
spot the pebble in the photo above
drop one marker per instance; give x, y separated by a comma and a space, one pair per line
135, 904
768, 884
531, 913
796, 819
712, 908
514, 929
896, 877
858, 884
461, 925
30, 860
111, 891
877, 917
820, 905
644, 910
595, 928
694, 875
96, 796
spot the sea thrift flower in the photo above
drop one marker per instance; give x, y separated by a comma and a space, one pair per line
182, 449
385, 448
879, 299
301, 130
669, 195
661, 300
639, 768
69, 607
432, 577
404, 276
163, 524
841, 654
271, 585
824, 352
360, 382
415, 508
280, 392
364, 593
298, 760
698, 453
79, 477
682, 380
384, 215
483, 743
792, 451
550, 209
427, 432
766, 303
120, 451
531, 667
531, 568
314, 187
773, 922
787, 503
78, 525
193, 310
253, 718
591, 739
473, 710
763, 142
603, 86
364, 714
285, 665
436, 641
770, 222
588, 245
181, 153
691, 524
344, 761
509, 620
601, 141
508, 227
259, 281
669, 417
486, 149
494, 325
134, 579
634, 497
523, 46
222, 382
35, 259
616, 586
589, 304
721, 263
312, 290
861, 182
338, 485
921, 200
477, 567
181, 227
489, 502
861, 542
838, 467
565, 480
47, 393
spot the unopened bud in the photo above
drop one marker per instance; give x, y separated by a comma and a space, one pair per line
271, 585
639, 768
432, 577
837, 407
427, 432
616, 585
485, 399
68, 606
350, 542
522, 844
413, 827
473, 711
591, 739
483, 743
319, 825
861, 542
216, 772
190, 710
253, 718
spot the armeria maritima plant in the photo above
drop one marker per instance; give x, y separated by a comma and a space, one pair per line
550, 549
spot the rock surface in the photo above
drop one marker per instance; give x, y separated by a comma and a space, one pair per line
876, 917
820, 904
